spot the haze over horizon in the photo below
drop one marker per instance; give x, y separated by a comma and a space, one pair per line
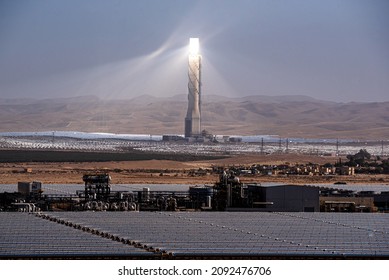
328, 50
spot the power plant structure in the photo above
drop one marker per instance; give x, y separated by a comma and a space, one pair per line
228, 194
193, 115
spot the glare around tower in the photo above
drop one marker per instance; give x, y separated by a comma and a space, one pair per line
192, 119
194, 46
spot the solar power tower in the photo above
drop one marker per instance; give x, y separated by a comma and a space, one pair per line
192, 120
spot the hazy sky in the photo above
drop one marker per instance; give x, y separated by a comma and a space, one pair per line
332, 50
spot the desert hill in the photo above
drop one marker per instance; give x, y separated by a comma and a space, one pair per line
287, 116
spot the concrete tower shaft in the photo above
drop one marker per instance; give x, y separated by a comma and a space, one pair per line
193, 115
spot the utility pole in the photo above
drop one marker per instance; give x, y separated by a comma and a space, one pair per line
262, 151
337, 146
287, 145
382, 148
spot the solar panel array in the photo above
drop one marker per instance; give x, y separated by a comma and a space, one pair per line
28, 236
196, 234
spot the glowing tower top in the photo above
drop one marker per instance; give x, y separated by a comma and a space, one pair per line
192, 119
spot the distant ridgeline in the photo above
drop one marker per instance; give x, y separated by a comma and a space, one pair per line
286, 116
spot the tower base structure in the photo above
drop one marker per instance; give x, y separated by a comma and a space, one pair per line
192, 127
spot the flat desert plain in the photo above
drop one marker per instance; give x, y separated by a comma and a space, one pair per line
172, 172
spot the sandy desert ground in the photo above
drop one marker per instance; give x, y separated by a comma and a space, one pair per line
170, 172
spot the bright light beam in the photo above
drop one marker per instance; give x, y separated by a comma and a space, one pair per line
194, 46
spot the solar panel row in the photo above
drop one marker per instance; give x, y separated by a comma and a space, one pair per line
25, 235
248, 234
193, 234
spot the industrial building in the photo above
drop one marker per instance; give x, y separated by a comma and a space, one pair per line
228, 194
346, 204
288, 198
354, 198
